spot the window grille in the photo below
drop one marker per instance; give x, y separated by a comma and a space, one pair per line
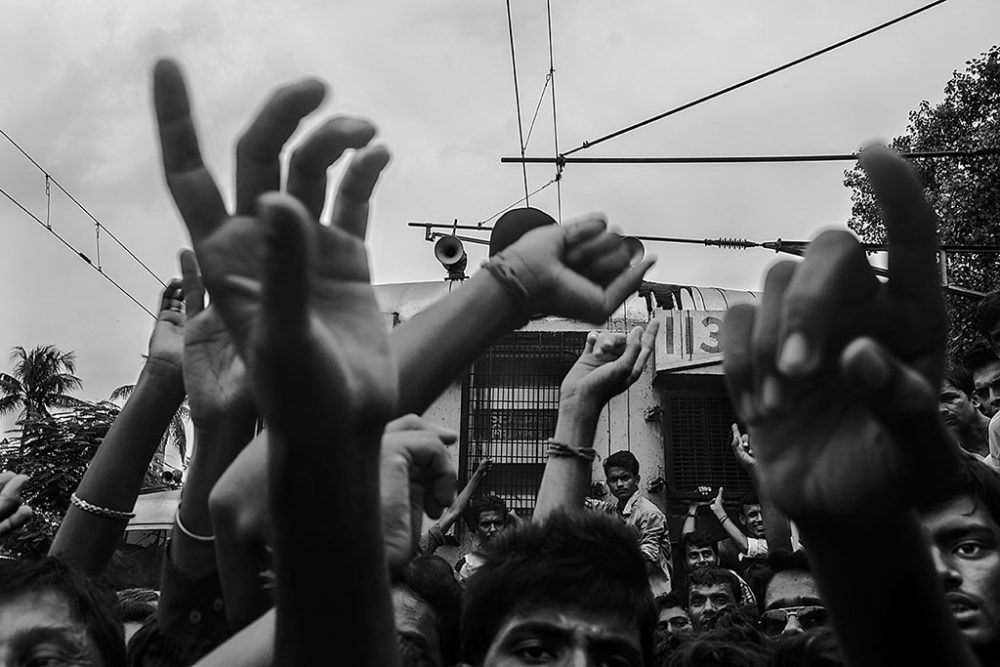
697, 416
510, 402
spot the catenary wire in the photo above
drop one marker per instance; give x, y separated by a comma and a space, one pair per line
517, 100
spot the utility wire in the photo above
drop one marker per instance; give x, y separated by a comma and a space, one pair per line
510, 206
555, 122
80, 254
758, 77
743, 159
517, 100
541, 98
98, 225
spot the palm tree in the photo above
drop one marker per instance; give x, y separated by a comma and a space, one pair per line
41, 379
174, 434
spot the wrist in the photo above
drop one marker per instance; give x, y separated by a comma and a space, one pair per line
161, 377
576, 424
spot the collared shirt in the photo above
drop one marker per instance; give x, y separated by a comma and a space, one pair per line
653, 533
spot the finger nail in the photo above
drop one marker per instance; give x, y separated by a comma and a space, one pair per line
796, 354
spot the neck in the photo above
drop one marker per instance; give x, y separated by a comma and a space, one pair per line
974, 435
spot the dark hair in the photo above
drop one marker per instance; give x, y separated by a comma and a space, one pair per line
988, 313
580, 560
815, 648
623, 459
960, 378
91, 604
431, 579
414, 651
749, 498
779, 560
135, 605
698, 538
484, 504
977, 356
733, 641
712, 576
669, 601
973, 478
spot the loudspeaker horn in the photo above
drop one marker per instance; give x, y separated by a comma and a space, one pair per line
450, 251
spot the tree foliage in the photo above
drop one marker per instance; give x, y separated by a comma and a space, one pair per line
55, 451
41, 379
965, 192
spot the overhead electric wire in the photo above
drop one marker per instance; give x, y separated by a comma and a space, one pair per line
744, 159
80, 254
754, 79
517, 100
541, 98
510, 206
99, 225
555, 117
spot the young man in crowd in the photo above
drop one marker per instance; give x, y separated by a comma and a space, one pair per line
672, 616
567, 589
969, 426
988, 320
962, 526
700, 551
982, 361
710, 591
791, 598
487, 516
622, 472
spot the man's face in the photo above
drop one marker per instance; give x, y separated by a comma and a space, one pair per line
698, 557
623, 484
557, 636
791, 605
965, 544
956, 408
752, 519
38, 628
412, 614
706, 602
987, 381
489, 525
674, 621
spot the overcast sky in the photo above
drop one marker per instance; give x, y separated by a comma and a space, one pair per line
435, 75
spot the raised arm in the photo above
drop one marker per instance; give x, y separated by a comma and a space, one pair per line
836, 375
96, 520
610, 364
732, 530
455, 510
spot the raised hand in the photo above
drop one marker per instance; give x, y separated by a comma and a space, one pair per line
716, 504
166, 344
610, 364
578, 270
214, 375
13, 512
416, 477
229, 247
836, 373
741, 449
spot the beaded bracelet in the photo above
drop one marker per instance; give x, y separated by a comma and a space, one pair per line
193, 536
98, 510
563, 450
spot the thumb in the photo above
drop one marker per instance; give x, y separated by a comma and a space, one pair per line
288, 260
906, 405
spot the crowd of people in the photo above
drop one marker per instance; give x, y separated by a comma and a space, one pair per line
872, 538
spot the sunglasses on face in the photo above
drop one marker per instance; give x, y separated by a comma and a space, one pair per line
774, 621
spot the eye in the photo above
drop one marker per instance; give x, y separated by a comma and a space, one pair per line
969, 549
533, 653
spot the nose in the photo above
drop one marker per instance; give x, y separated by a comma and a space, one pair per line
949, 575
793, 627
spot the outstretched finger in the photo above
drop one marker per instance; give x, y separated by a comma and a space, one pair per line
20, 517
906, 404
737, 361
191, 184
766, 331
258, 167
289, 257
620, 288
646, 343
172, 303
194, 290
351, 206
311, 160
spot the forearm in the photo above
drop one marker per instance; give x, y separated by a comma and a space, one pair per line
329, 551
455, 510
884, 616
215, 449
114, 478
566, 479
690, 521
434, 347
732, 529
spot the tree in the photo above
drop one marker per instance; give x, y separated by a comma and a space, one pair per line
55, 452
42, 379
965, 191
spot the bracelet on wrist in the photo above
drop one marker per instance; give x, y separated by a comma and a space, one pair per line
186, 531
107, 512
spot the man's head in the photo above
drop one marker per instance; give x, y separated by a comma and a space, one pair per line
955, 401
47, 604
572, 585
622, 472
751, 516
983, 364
487, 516
710, 590
791, 599
428, 602
962, 526
988, 320
699, 550
672, 616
